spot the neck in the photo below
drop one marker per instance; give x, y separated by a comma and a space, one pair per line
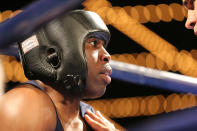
67, 104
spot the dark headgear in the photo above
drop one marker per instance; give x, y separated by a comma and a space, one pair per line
55, 54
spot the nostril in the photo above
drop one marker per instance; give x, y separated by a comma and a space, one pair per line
192, 24
105, 59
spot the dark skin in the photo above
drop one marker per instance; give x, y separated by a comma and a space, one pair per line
27, 108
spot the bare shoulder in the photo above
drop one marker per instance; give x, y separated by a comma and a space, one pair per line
27, 108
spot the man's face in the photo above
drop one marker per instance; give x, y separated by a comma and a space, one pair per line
99, 70
191, 6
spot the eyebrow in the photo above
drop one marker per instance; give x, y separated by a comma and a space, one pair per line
189, 4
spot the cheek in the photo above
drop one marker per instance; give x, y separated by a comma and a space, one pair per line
92, 57
92, 65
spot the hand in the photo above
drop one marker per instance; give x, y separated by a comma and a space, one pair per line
98, 122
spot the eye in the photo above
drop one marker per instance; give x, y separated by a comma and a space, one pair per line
93, 42
189, 4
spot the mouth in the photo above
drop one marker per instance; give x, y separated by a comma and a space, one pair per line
105, 74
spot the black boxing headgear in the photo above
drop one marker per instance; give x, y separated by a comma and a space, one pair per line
55, 54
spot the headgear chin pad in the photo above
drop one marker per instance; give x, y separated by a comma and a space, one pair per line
55, 54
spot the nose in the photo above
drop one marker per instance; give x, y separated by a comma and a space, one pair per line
105, 57
191, 20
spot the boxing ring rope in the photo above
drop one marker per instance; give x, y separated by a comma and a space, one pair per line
143, 105
174, 121
25, 23
33, 16
155, 78
142, 75
184, 120
119, 18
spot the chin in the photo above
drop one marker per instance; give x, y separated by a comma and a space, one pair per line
90, 93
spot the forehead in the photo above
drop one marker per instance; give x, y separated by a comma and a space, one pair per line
189, 4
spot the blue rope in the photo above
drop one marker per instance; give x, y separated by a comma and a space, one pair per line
183, 120
154, 78
40, 12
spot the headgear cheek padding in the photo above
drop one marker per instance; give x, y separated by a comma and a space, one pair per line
55, 54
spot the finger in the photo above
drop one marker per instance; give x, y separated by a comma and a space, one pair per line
94, 117
98, 113
100, 116
94, 124
103, 118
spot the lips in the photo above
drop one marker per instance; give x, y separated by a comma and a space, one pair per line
105, 74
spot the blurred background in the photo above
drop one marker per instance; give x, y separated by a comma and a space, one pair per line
149, 33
